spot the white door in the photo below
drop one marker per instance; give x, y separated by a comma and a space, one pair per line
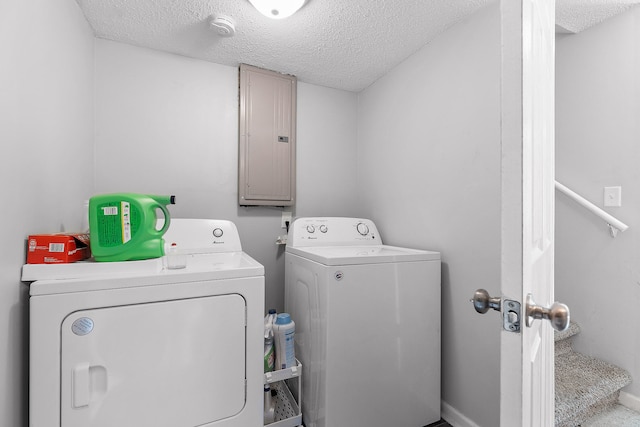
528, 51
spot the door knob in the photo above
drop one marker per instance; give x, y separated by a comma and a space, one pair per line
558, 314
482, 301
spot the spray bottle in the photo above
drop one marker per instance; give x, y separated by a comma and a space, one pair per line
269, 350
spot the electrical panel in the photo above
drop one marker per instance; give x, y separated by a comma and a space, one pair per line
267, 138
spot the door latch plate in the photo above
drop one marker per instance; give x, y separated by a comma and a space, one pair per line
511, 316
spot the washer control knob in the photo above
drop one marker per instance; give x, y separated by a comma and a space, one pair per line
311, 229
323, 228
217, 232
362, 228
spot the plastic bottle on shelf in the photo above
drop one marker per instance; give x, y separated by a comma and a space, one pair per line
269, 406
269, 320
269, 350
284, 330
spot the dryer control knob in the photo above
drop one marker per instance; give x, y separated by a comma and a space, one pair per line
362, 228
311, 229
218, 232
323, 228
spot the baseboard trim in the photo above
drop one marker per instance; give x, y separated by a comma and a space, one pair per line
630, 401
454, 417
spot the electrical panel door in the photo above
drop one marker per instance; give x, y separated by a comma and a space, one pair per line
267, 138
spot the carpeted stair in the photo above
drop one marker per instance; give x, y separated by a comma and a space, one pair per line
587, 388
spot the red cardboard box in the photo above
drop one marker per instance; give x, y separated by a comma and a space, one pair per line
57, 248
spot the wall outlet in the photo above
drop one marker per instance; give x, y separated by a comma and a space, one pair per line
286, 217
613, 196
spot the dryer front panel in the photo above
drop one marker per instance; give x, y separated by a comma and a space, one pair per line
178, 363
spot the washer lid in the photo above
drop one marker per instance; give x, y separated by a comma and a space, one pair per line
351, 255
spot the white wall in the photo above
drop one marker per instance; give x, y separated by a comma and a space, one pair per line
598, 145
327, 156
429, 176
46, 154
166, 124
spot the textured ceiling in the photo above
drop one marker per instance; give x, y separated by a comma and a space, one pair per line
573, 16
344, 44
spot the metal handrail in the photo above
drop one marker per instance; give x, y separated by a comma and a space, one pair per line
614, 223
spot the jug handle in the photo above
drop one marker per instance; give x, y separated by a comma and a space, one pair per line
167, 220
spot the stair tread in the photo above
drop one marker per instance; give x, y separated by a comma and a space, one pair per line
618, 416
572, 330
582, 381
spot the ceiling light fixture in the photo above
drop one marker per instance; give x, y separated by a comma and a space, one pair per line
277, 9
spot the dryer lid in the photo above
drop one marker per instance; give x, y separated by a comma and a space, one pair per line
211, 247
92, 276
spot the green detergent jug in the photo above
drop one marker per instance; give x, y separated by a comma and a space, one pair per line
123, 226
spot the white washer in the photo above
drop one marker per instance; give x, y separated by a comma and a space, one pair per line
137, 344
367, 321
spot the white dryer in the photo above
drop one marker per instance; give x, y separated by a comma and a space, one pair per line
367, 325
135, 344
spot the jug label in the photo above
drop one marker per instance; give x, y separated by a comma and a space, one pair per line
126, 222
118, 222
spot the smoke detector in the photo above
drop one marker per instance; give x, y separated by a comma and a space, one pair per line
223, 25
